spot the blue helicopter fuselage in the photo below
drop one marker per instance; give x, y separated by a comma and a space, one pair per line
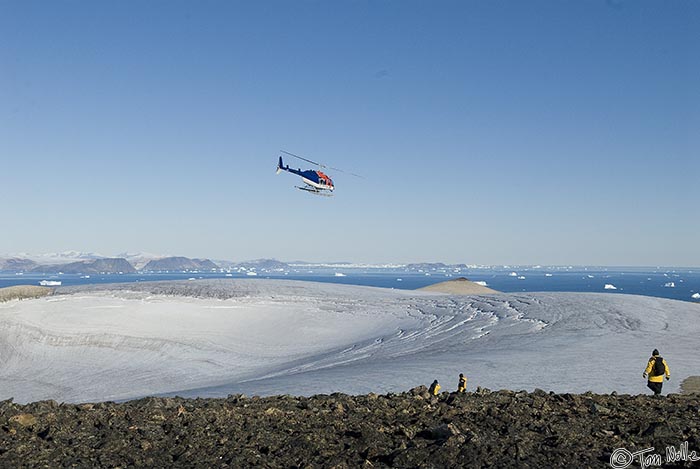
316, 179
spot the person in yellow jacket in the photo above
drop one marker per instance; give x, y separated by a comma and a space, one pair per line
462, 386
434, 388
655, 370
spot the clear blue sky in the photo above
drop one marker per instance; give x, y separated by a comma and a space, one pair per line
509, 132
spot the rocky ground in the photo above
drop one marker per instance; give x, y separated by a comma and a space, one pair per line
412, 429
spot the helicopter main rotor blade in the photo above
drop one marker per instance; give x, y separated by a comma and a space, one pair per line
346, 172
297, 156
321, 165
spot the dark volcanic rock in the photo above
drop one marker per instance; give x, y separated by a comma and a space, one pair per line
498, 429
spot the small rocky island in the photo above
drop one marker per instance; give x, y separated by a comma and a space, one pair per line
407, 430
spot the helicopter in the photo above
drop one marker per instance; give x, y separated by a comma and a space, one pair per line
317, 182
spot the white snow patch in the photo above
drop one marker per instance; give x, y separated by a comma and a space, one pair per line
290, 337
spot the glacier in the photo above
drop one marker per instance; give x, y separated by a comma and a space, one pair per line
211, 338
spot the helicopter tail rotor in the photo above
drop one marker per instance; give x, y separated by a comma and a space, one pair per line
279, 166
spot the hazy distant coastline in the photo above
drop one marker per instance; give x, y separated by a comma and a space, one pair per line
76, 262
77, 268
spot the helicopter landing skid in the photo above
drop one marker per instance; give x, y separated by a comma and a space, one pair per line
314, 191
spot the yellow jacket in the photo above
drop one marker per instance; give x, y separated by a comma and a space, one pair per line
658, 378
434, 389
462, 386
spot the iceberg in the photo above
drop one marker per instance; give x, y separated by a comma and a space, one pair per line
670, 285
50, 283
695, 296
610, 286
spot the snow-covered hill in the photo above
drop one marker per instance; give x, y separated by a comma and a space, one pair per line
216, 337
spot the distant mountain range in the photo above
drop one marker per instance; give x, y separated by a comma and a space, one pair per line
96, 266
15, 264
263, 264
179, 263
428, 266
134, 263
105, 265
76, 262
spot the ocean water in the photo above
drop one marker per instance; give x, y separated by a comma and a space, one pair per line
678, 284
